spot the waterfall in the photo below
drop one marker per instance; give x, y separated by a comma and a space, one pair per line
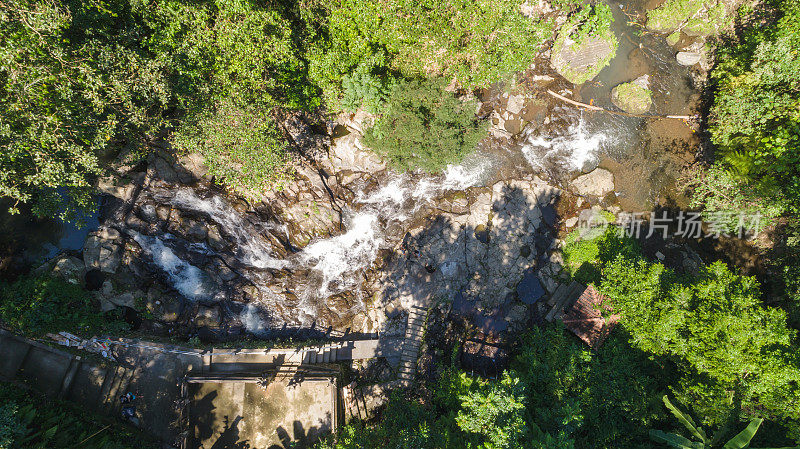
573, 150
189, 280
252, 249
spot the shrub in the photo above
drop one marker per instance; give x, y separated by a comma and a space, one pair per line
242, 148
426, 39
716, 329
36, 305
424, 127
35, 422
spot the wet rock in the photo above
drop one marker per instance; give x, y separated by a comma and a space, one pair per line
598, 182
164, 308
530, 288
163, 212
688, 58
196, 230
207, 317
634, 97
94, 279
148, 213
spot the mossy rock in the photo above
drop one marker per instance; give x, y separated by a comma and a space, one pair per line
581, 61
693, 17
673, 38
633, 97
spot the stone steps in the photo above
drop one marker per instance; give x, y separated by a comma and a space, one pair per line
415, 332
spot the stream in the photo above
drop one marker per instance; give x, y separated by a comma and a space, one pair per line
261, 271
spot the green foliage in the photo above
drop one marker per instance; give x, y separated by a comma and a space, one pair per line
11, 429
724, 199
585, 250
363, 89
755, 119
694, 17
590, 23
739, 441
599, 400
715, 328
424, 127
36, 305
70, 92
33, 422
474, 43
228, 49
497, 414
242, 148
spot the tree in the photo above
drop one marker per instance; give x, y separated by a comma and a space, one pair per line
70, 93
424, 127
425, 39
242, 148
715, 328
496, 413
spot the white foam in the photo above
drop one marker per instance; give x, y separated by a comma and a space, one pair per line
336, 259
189, 280
252, 320
572, 150
252, 248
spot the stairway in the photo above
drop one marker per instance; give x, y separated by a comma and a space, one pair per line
415, 331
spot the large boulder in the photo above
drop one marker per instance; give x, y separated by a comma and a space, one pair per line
688, 58
347, 153
598, 182
693, 17
71, 269
102, 252
634, 97
581, 58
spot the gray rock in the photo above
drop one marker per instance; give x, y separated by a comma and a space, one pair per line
149, 213
71, 269
164, 170
207, 317
114, 186
598, 182
688, 58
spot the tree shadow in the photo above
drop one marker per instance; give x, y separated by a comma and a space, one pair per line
473, 264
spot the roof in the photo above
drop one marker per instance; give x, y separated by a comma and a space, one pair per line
585, 318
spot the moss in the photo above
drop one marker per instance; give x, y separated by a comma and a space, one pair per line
673, 38
694, 17
632, 98
580, 76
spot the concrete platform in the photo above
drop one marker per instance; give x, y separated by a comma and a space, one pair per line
238, 412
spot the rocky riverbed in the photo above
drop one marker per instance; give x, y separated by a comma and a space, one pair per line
346, 246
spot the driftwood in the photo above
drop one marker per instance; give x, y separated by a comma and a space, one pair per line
592, 107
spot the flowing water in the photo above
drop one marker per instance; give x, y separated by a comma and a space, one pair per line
562, 143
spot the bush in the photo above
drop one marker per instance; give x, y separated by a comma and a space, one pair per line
71, 93
425, 39
36, 305
242, 148
30, 421
424, 127
716, 329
